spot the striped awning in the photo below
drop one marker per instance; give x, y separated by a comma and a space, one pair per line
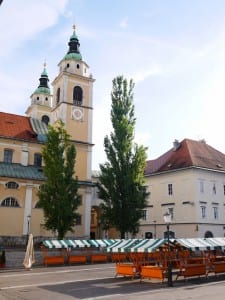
147, 245
101, 243
202, 243
138, 245
59, 244
122, 245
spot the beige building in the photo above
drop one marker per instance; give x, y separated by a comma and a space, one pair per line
22, 138
189, 182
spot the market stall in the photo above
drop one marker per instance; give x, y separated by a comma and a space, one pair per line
74, 251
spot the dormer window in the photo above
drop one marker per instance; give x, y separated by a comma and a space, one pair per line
37, 160
8, 155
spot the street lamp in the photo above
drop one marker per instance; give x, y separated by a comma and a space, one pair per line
28, 227
167, 219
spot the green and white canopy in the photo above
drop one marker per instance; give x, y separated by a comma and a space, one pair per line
138, 245
195, 244
122, 245
59, 244
147, 245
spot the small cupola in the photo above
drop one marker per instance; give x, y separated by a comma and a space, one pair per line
43, 87
74, 45
41, 99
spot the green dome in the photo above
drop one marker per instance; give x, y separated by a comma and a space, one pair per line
42, 90
73, 52
75, 56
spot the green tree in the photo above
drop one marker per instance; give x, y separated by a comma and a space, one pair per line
121, 182
58, 196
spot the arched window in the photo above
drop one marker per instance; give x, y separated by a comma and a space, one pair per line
58, 96
12, 185
37, 159
208, 234
77, 95
10, 202
45, 119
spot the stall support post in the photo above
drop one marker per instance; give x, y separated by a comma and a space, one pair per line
170, 275
167, 219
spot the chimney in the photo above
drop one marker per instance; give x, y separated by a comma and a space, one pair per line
176, 145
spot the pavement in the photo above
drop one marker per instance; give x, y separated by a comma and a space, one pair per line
95, 281
98, 281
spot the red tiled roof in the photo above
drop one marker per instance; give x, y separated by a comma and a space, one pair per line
15, 126
189, 153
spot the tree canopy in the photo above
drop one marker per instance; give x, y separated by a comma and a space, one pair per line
121, 182
58, 196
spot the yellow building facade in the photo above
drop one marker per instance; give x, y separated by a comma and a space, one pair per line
22, 139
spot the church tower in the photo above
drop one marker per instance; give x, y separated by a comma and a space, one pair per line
41, 100
72, 103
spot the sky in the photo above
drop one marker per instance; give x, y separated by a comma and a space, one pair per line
174, 51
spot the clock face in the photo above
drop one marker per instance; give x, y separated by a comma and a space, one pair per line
77, 114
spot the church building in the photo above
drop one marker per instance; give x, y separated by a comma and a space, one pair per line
22, 139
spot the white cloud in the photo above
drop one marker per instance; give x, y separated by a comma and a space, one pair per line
23, 19
142, 75
124, 22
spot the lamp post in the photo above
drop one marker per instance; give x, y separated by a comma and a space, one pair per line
167, 219
28, 227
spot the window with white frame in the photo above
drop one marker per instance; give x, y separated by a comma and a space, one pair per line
8, 155
10, 202
215, 212
12, 185
37, 159
171, 212
170, 189
214, 188
203, 212
144, 214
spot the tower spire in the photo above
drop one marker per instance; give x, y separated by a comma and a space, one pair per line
74, 51
44, 78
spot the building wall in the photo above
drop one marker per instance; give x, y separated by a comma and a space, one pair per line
192, 189
18, 147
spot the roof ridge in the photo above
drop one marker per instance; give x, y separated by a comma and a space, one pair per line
189, 149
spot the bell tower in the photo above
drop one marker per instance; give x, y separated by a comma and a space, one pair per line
41, 100
72, 103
